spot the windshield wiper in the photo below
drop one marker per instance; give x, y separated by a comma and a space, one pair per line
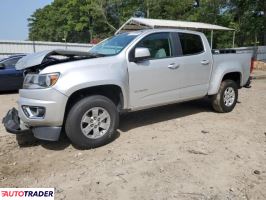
97, 55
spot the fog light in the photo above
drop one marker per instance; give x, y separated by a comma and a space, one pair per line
34, 112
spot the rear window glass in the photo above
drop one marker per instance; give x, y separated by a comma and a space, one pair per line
11, 62
191, 43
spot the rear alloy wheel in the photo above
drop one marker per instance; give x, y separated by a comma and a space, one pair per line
92, 122
226, 98
229, 96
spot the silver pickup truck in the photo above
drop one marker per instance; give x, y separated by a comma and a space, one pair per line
84, 92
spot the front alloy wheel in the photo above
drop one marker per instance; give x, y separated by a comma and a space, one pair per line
92, 122
95, 123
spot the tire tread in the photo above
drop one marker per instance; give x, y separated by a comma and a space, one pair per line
217, 98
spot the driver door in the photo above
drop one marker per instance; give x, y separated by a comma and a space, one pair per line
154, 81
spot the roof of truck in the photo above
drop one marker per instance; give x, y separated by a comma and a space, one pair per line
134, 24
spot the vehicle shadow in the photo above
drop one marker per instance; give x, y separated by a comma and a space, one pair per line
26, 140
137, 119
128, 121
9, 92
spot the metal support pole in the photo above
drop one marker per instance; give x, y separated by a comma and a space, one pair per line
33, 45
211, 38
234, 36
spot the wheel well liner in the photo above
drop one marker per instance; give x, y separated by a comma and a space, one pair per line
113, 92
235, 76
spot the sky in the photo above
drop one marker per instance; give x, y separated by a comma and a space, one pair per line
14, 15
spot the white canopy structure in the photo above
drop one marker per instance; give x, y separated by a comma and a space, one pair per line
134, 24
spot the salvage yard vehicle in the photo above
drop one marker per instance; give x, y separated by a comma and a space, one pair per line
10, 78
84, 92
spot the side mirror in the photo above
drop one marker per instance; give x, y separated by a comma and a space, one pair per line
2, 66
142, 54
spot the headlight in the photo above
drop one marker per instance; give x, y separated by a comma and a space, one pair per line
40, 81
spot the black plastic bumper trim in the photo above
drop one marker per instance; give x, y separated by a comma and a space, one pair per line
12, 122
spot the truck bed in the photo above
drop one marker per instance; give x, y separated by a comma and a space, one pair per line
238, 58
239, 50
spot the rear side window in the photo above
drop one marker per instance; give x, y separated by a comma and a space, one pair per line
191, 43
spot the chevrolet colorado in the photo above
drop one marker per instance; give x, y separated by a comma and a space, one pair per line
84, 92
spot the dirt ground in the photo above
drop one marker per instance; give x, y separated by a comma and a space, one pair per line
182, 151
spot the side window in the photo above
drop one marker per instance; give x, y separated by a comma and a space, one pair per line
159, 45
191, 43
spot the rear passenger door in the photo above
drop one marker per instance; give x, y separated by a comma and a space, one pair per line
195, 66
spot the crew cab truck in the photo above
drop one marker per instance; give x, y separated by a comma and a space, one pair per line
84, 92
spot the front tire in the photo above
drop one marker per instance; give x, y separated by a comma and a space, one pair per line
225, 100
92, 122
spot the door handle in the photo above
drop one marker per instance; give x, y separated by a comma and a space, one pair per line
173, 66
205, 62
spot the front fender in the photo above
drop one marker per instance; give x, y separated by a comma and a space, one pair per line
83, 74
81, 86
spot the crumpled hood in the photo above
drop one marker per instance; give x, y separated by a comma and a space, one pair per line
38, 58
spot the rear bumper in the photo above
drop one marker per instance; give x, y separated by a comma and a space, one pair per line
14, 125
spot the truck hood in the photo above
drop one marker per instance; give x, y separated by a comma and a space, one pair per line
39, 58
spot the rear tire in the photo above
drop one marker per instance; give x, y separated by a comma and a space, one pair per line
225, 100
92, 122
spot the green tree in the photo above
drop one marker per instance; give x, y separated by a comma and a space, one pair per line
81, 20
250, 24
73, 20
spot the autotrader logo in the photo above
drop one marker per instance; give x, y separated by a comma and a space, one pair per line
26, 193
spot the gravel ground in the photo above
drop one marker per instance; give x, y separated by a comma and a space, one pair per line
182, 151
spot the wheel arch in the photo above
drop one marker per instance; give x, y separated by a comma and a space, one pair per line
234, 76
111, 91
219, 75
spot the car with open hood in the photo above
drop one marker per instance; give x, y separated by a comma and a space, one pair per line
84, 93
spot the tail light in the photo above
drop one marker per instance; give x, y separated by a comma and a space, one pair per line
252, 64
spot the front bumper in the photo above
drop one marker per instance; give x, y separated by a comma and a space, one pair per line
14, 125
52, 100
46, 128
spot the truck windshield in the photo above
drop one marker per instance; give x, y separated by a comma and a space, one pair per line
113, 45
